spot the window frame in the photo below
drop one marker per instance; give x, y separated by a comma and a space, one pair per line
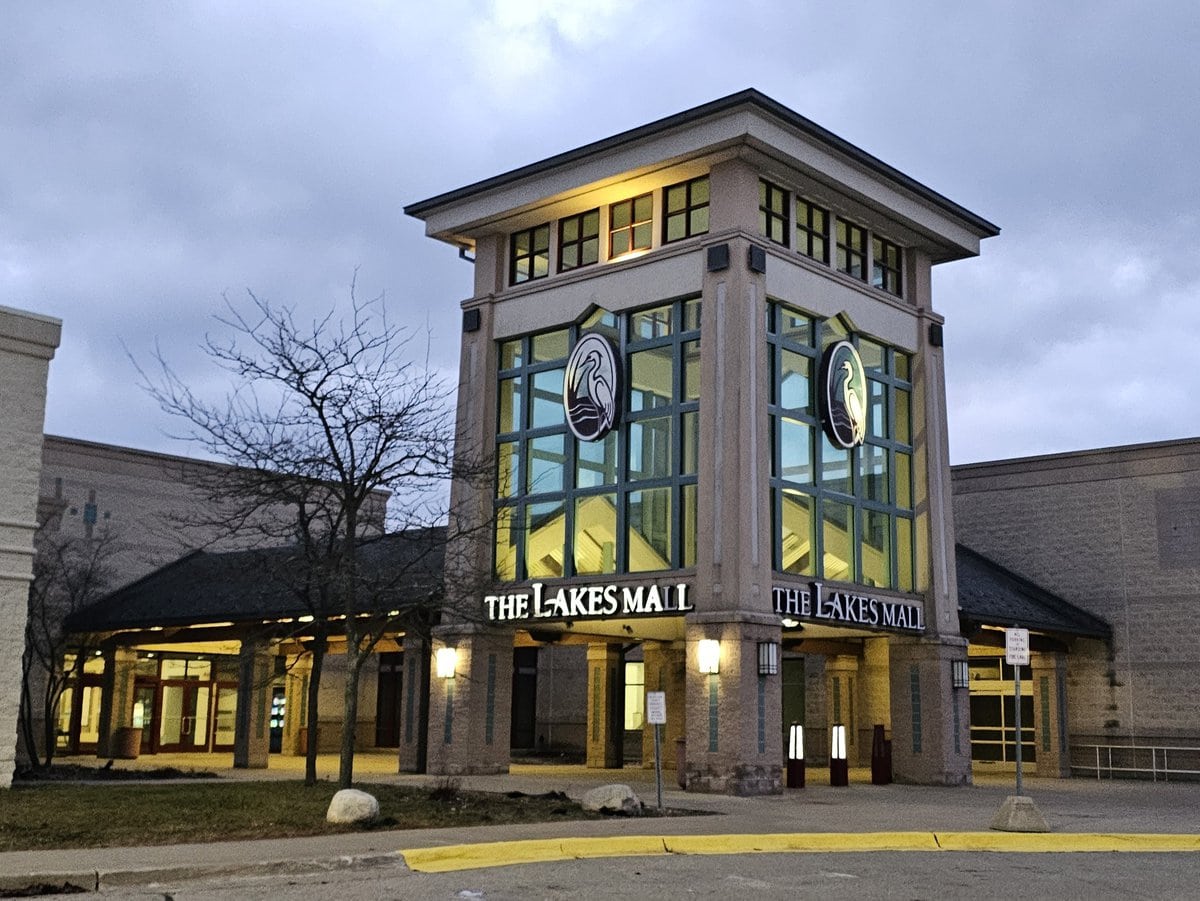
884, 277
634, 223
767, 216
514, 257
689, 207
581, 239
851, 249
807, 232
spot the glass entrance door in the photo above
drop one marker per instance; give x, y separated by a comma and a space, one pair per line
185, 716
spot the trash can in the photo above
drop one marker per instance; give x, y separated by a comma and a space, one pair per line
881, 758
127, 743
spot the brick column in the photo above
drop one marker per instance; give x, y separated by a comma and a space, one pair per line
470, 715
930, 721
1050, 715
604, 731
665, 671
874, 695
414, 708
116, 697
734, 744
252, 738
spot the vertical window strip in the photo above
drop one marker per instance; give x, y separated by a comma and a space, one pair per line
490, 720
712, 713
914, 686
812, 230
529, 254
851, 249
886, 265
773, 212
762, 714
685, 210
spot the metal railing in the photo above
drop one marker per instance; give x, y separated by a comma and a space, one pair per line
1136, 761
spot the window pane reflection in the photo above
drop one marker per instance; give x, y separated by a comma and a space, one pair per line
689, 525
506, 545
596, 534
796, 521
837, 535
794, 375
545, 533
876, 549
795, 451
874, 471
510, 405
547, 407
649, 518
650, 378
835, 467
508, 458
546, 463
650, 448
596, 462
904, 554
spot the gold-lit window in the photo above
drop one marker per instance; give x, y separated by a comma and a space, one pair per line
812, 230
578, 240
629, 225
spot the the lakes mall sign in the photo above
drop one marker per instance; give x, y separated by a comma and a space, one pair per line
814, 603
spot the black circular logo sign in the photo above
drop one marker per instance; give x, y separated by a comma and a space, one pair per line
592, 388
844, 395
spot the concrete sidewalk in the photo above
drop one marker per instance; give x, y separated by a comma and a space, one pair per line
1071, 807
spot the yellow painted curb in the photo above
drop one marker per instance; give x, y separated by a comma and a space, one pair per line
1065, 842
499, 854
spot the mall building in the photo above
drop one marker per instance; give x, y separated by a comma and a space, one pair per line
704, 356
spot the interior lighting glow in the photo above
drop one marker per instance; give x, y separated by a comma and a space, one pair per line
709, 654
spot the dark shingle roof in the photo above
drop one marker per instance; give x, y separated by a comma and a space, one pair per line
254, 585
989, 594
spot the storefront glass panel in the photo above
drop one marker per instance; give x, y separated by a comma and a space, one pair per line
596, 534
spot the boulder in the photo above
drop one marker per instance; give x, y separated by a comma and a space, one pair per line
352, 806
613, 799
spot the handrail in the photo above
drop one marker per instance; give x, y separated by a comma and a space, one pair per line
1132, 760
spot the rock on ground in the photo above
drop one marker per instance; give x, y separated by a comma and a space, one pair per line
352, 806
613, 799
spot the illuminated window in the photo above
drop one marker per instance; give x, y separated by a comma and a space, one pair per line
686, 212
885, 265
812, 230
837, 514
629, 225
529, 254
851, 249
578, 240
773, 212
624, 503
635, 695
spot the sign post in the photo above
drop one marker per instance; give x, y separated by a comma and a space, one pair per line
656, 715
1016, 655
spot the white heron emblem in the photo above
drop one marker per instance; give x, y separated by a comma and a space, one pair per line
845, 388
591, 388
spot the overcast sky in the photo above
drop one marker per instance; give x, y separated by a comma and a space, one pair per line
155, 156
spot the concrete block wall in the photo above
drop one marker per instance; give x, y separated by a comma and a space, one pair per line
27, 344
1117, 532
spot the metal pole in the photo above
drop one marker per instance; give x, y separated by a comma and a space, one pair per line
658, 767
1017, 721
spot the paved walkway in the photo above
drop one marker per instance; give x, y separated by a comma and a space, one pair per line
1082, 814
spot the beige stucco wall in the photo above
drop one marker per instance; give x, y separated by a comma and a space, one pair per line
27, 344
1116, 532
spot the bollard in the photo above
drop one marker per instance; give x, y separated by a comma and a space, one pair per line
795, 762
839, 767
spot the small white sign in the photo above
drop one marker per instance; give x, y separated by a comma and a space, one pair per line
1016, 647
656, 708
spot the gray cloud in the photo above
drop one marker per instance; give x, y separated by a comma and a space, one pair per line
158, 155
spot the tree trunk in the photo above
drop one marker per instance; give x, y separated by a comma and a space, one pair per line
423, 705
25, 716
319, 645
349, 709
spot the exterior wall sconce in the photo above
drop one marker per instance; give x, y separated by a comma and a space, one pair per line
839, 767
447, 659
768, 658
960, 676
795, 761
709, 653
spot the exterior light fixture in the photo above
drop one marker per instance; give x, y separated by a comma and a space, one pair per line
709, 653
960, 676
768, 658
788, 623
839, 768
447, 658
795, 761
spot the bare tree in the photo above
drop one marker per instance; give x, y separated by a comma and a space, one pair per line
323, 420
69, 573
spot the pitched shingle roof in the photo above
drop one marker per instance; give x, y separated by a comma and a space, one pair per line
263, 584
989, 594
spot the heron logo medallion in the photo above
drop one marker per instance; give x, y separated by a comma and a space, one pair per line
844, 395
592, 388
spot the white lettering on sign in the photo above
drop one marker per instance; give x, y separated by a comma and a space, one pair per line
587, 602
816, 603
1016, 647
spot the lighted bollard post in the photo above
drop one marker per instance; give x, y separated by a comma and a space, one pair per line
839, 767
795, 761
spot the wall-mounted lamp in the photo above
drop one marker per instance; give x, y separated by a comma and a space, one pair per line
795, 761
839, 767
447, 659
768, 658
709, 654
960, 675
788, 623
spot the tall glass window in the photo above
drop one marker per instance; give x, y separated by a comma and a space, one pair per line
842, 515
625, 503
